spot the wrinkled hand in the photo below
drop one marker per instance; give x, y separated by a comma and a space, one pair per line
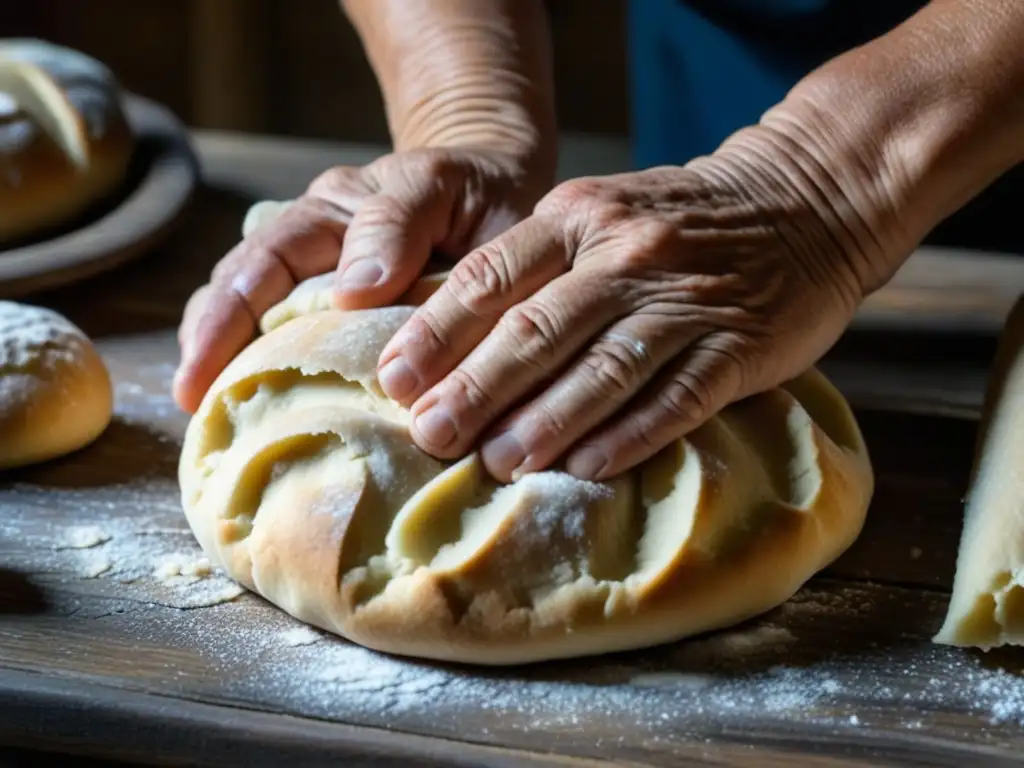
621, 315
376, 225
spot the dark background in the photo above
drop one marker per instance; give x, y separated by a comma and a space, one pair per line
296, 67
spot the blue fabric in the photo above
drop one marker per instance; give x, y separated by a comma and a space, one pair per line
701, 70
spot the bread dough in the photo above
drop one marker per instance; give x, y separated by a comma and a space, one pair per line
300, 479
55, 391
64, 140
986, 609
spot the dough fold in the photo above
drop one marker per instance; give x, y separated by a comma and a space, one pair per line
300, 478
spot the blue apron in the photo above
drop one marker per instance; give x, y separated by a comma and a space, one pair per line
702, 69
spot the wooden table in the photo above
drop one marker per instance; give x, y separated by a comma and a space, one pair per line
100, 656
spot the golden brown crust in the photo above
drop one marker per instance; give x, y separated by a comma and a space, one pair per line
301, 479
55, 391
41, 187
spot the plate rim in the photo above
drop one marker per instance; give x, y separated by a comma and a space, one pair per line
173, 172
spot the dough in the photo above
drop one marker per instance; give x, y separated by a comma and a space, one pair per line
986, 609
300, 479
55, 392
64, 141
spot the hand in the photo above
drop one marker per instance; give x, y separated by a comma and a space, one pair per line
376, 225
624, 313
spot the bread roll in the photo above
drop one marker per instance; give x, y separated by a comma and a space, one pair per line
64, 140
299, 478
986, 609
55, 392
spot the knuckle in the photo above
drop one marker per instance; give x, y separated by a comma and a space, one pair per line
544, 426
432, 164
532, 330
480, 278
618, 365
686, 398
423, 332
380, 211
332, 180
570, 194
656, 234
469, 395
639, 433
644, 243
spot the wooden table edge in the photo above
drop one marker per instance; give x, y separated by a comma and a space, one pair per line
117, 724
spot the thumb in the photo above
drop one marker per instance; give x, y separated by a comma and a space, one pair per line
389, 242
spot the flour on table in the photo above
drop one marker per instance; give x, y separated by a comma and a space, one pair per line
180, 566
83, 537
143, 558
298, 636
95, 568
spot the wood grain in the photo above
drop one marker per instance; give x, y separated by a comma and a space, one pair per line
161, 180
121, 663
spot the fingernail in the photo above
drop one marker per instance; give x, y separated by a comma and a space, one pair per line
361, 274
503, 455
586, 463
397, 379
436, 426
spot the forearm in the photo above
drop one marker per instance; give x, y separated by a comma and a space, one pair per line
890, 138
463, 72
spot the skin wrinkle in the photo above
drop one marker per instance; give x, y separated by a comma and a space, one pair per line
812, 142
440, 77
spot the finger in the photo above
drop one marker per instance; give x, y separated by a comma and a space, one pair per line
190, 318
395, 230
259, 272
531, 343
706, 379
262, 213
387, 246
599, 383
478, 291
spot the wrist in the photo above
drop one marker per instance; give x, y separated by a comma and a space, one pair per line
900, 133
465, 74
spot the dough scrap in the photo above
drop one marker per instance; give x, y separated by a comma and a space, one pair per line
55, 392
986, 609
300, 479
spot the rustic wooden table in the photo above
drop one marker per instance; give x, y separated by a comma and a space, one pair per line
101, 656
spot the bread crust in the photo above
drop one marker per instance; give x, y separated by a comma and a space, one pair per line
41, 187
55, 391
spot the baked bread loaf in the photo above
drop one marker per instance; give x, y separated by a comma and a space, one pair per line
65, 143
299, 477
986, 609
55, 392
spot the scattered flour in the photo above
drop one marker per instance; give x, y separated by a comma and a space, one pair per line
300, 636
84, 537
179, 566
95, 568
148, 555
271, 659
